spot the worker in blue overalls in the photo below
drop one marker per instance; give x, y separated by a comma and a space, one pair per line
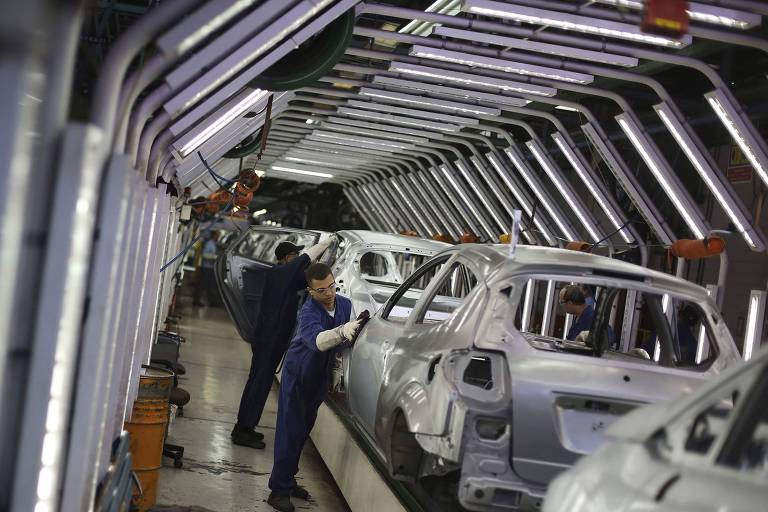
324, 326
277, 319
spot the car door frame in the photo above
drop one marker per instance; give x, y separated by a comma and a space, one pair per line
228, 281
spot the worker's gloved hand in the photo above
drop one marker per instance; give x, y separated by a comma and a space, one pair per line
317, 250
349, 329
581, 337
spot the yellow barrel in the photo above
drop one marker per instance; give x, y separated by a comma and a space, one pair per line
147, 427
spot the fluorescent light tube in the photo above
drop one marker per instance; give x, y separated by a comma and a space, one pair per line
704, 13
473, 185
350, 138
317, 162
534, 46
388, 128
740, 132
521, 165
567, 109
583, 173
707, 173
227, 117
343, 128
389, 118
470, 79
258, 213
563, 188
525, 318
548, 304
450, 91
448, 118
659, 171
508, 66
301, 171
566, 21
613, 164
428, 102
755, 315
521, 200
469, 204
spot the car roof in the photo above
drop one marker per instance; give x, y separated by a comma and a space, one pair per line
379, 238
494, 262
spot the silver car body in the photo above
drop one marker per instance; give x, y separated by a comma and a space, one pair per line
677, 456
240, 268
371, 292
540, 409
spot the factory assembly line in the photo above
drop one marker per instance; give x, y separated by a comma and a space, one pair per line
383, 255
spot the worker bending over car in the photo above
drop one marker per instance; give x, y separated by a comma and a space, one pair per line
324, 327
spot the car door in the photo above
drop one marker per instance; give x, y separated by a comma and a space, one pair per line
241, 269
374, 346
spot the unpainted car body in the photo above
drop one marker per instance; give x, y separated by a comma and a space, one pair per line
705, 453
240, 269
441, 381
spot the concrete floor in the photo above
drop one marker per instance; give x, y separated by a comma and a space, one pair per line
217, 475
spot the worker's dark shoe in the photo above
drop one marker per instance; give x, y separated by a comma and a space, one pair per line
300, 492
281, 503
247, 437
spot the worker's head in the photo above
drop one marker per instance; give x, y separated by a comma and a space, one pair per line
286, 252
572, 299
321, 283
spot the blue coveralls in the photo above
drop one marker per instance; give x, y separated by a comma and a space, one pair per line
279, 304
303, 387
583, 323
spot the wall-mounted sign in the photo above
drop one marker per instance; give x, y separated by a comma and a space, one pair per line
739, 169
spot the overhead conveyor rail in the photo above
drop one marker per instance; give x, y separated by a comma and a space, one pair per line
439, 118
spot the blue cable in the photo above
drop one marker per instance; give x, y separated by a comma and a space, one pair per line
205, 230
220, 180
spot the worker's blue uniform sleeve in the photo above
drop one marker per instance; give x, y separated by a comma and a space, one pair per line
582, 323
310, 325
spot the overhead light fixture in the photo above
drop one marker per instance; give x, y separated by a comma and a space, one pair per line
470, 79
259, 213
708, 174
567, 21
389, 118
497, 99
755, 316
448, 118
704, 13
508, 66
236, 110
521, 200
393, 130
741, 134
564, 189
583, 174
658, 169
483, 199
534, 46
548, 305
567, 109
317, 162
428, 102
525, 318
418, 27
664, 307
244, 56
301, 171
469, 204
361, 140
517, 159
380, 134
503, 201
613, 164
